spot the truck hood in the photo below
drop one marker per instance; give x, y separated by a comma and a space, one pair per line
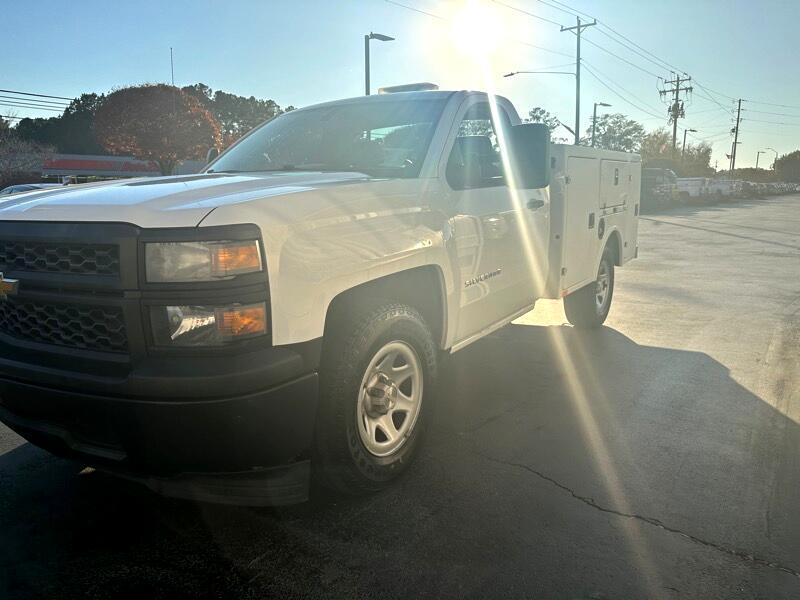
179, 201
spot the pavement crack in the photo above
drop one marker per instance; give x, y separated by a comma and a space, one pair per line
589, 501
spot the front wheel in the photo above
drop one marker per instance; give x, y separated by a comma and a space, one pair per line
588, 307
378, 370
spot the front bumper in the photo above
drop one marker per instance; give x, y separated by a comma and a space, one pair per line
182, 429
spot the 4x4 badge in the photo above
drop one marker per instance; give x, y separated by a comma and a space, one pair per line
8, 287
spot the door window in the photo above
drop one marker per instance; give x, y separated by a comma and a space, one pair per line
475, 160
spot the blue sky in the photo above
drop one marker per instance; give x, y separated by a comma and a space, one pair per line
305, 51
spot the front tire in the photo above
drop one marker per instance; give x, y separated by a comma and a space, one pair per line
588, 307
377, 372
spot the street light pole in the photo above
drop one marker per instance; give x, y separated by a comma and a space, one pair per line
758, 155
594, 117
683, 150
367, 38
776, 156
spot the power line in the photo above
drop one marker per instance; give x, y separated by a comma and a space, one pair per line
708, 96
39, 95
657, 62
772, 122
417, 10
773, 104
706, 92
766, 112
661, 63
620, 96
567, 9
31, 106
33, 101
525, 12
625, 60
710, 90
639, 100
441, 18
769, 133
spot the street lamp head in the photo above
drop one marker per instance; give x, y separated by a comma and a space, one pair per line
603, 104
510, 74
380, 37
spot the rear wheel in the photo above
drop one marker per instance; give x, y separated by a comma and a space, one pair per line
589, 306
377, 373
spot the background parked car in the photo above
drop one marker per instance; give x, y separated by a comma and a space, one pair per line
26, 187
659, 187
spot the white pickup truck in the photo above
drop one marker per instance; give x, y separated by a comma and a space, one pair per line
220, 336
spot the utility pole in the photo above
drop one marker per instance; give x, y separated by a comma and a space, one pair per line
676, 110
578, 29
736, 136
366, 65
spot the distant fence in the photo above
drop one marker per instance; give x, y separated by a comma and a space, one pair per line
90, 166
86, 165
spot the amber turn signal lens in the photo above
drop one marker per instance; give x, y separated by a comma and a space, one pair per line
235, 258
242, 321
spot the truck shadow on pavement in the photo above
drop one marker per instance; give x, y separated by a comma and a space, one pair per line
649, 467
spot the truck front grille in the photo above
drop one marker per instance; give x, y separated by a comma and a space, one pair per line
73, 259
85, 327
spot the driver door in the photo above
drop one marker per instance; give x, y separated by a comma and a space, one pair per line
490, 228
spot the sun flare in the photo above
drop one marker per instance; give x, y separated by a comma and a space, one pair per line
476, 30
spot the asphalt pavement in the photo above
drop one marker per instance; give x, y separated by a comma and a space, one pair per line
658, 457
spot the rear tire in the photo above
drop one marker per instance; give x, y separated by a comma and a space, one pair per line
588, 307
377, 374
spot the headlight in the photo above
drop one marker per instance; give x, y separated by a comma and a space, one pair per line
207, 325
184, 262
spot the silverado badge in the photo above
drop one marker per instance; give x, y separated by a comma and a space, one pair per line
8, 287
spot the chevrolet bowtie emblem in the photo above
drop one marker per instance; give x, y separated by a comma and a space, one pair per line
8, 287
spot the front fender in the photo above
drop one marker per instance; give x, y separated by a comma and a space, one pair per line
342, 241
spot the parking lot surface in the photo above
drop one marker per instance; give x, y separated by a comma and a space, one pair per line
658, 457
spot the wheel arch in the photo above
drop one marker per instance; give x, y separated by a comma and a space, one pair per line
614, 242
420, 287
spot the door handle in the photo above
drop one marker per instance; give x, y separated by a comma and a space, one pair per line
535, 204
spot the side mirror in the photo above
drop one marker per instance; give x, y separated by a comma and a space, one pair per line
212, 154
530, 156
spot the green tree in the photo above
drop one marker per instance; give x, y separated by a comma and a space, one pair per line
787, 167
156, 122
236, 114
70, 132
656, 145
20, 159
695, 161
615, 131
539, 115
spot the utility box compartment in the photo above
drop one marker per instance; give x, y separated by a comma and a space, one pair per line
615, 180
594, 201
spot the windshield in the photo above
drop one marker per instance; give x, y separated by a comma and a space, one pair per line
383, 138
